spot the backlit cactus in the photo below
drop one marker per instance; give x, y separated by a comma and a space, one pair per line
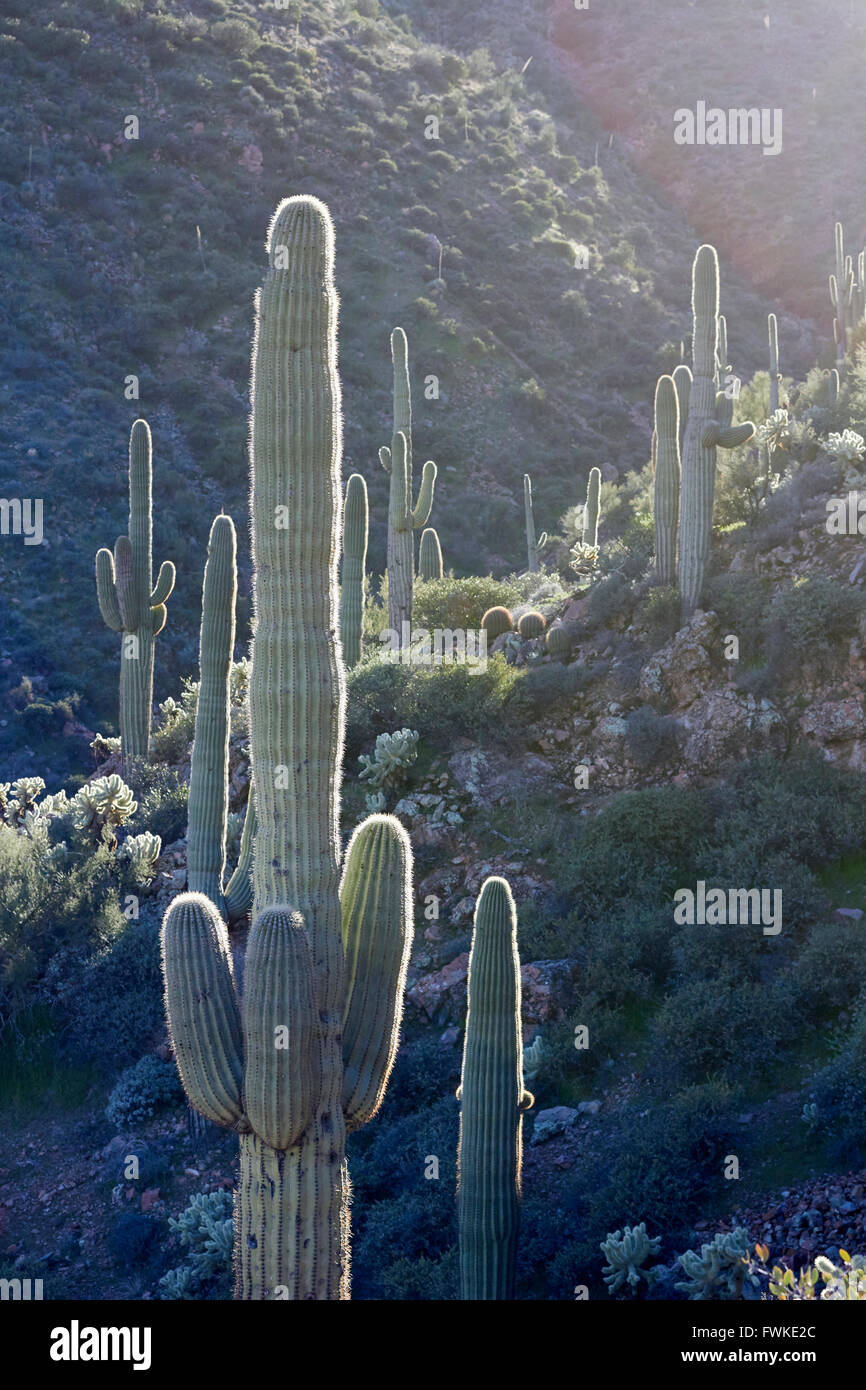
352, 589
531, 625
683, 382
496, 621
589, 538
533, 546
403, 518
841, 290
492, 1097
705, 432
559, 641
129, 601
666, 479
773, 336
430, 555
310, 1048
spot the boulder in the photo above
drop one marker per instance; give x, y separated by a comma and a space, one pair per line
682, 670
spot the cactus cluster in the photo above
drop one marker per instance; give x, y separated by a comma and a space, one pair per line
129, 601
307, 1051
492, 1099
626, 1253
403, 518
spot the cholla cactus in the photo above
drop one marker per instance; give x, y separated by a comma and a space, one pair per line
720, 1269
393, 754
533, 1056
375, 803
626, 1252
142, 851
846, 447
19, 799
584, 559
102, 806
775, 432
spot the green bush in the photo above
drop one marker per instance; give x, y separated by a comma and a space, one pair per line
460, 603
143, 1089
650, 738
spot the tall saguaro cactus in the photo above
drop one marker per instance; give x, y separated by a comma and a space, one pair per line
356, 518
591, 509
706, 431
309, 1049
683, 382
773, 337
841, 289
403, 518
666, 479
209, 769
492, 1097
129, 601
531, 543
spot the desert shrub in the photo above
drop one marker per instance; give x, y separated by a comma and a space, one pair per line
460, 603
610, 598
134, 1239
650, 738
819, 983
840, 1091
816, 614
741, 601
162, 804
113, 1001
720, 1028
423, 1278
142, 1089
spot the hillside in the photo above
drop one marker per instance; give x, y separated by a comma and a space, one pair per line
234, 110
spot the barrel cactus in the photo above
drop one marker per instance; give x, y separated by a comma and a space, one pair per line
430, 555
496, 621
307, 1052
355, 527
492, 1097
403, 518
666, 479
705, 433
531, 625
559, 641
129, 601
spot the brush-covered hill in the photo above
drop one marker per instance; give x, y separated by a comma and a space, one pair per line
138, 258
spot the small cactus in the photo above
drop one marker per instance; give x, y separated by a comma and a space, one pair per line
403, 518
531, 625
559, 641
626, 1252
496, 621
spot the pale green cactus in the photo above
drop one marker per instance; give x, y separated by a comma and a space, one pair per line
847, 447
102, 806
626, 1252
720, 1270
394, 753
142, 851
403, 518
533, 1056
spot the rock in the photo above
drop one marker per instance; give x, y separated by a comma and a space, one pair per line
549, 1123
547, 989
588, 1107
443, 994
721, 726
149, 1198
833, 721
682, 669
849, 914
450, 1036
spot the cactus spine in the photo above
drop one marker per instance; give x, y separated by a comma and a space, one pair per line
706, 431
278, 1079
591, 509
666, 479
129, 601
403, 518
492, 1097
773, 335
355, 526
430, 555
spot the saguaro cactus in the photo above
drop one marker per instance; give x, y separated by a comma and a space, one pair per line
129, 601
430, 555
683, 382
532, 545
705, 432
591, 509
492, 1097
209, 769
309, 1050
841, 289
773, 336
666, 479
355, 526
403, 518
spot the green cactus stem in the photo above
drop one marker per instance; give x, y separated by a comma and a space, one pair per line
841, 290
705, 432
403, 518
352, 592
683, 382
666, 479
531, 543
430, 555
129, 601
589, 538
531, 625
492, 1097
775, 378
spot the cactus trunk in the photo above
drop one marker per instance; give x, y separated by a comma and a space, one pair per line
492, 1097
531, 545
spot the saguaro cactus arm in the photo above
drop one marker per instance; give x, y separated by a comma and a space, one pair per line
430, 555
202, 1009
666, 478
355, 529
164, 586
106, 592
238, 895
376, 903
424, 505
